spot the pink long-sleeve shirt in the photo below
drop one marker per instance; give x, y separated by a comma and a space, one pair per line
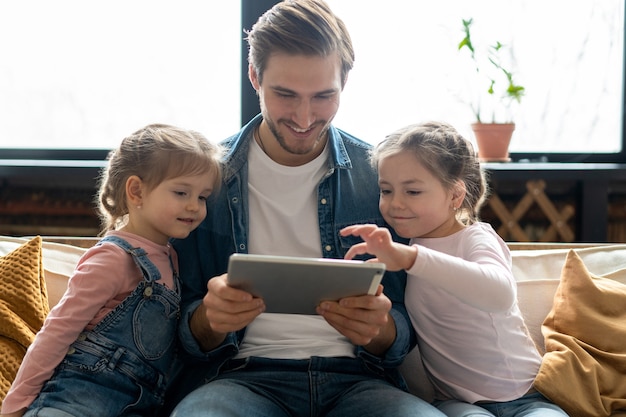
462, 300
104, 277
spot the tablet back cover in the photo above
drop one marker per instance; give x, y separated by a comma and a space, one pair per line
297, 285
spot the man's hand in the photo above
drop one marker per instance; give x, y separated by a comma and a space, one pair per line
224, 309
364, 320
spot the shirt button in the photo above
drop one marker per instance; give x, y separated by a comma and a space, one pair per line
323, 201
242, 247
328, 248
71, 351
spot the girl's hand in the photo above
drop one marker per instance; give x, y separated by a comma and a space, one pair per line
377, 241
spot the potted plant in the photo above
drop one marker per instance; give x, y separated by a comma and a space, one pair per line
492, 106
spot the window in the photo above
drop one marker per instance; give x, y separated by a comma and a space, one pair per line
83, 75
570, 60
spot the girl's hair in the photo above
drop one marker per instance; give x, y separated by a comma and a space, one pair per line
294, 27
154, 153
447, 155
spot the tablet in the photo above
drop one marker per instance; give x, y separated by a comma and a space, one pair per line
297, 285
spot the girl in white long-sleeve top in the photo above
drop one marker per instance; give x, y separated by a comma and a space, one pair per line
461, 294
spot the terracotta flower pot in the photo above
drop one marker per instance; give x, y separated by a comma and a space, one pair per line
493, 140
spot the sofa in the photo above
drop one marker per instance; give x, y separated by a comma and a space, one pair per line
572, 296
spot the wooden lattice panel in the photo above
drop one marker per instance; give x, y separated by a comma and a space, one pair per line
535, 194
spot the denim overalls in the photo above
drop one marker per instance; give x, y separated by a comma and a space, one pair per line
120, 367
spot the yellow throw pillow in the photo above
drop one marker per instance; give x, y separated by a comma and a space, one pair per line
584, 368
23, 306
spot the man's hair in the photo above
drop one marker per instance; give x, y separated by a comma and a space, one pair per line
299, 27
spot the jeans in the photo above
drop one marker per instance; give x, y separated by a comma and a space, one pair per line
279, 387
530, 405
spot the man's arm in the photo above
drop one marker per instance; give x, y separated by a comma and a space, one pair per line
381, 343
203, 333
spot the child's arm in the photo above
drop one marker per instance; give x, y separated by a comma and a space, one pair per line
480, 277
15, 414
377, 241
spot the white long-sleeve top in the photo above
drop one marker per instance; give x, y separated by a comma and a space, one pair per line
462, 300
104, 277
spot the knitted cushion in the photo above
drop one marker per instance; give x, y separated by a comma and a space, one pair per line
23, 306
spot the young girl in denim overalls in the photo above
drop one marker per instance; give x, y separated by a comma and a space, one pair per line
107, 347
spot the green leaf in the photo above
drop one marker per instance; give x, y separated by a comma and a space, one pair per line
493, 58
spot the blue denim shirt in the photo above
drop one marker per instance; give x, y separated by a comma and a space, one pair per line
347, 195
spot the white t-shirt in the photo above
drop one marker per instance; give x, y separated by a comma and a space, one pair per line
283, 220
462, 300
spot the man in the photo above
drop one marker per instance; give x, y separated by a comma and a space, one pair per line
291, 182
